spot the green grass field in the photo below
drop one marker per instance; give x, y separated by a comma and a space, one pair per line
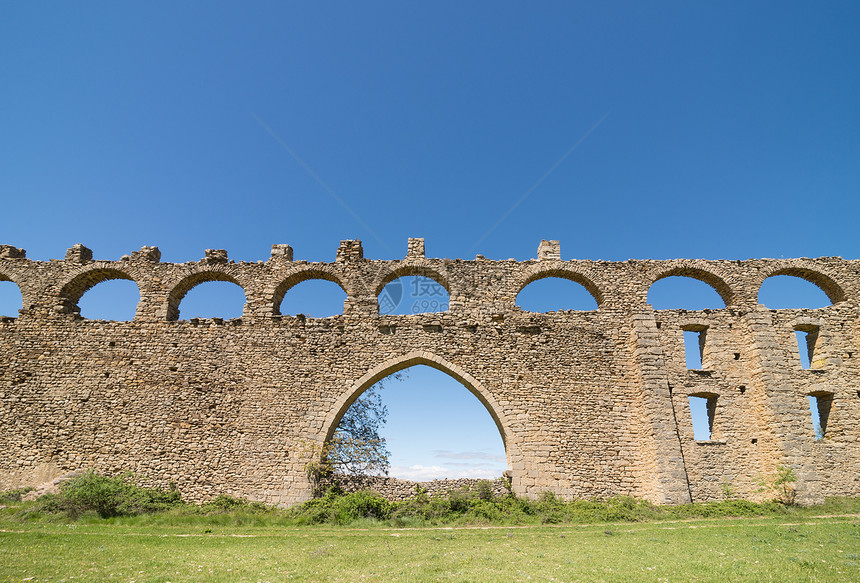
749, 549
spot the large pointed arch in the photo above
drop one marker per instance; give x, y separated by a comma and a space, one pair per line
414, 358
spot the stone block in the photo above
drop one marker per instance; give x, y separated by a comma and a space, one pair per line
10, 252
77, 253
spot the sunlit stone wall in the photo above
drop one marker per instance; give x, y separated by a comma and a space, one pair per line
589, 404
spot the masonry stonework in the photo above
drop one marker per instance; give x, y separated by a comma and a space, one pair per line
589, 404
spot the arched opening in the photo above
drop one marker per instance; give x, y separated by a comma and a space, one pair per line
413, 294
787, 292
207, 295
308, 292
315, 298
441, 422
684, 292
116, 298
11, 300
553, 293
113, 299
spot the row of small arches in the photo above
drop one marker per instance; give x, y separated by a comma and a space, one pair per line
116, 299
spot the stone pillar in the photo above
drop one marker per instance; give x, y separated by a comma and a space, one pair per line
415, 247
781, 426
77, 253
664, 479
349, 250
282, 252
215, 256
548, 250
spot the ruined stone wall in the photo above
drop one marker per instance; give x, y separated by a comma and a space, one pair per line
589, 404
395, 490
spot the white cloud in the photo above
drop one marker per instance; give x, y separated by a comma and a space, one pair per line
419, 473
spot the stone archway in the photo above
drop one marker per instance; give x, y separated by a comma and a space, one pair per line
414, 358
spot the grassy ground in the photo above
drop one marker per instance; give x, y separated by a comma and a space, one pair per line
803, 548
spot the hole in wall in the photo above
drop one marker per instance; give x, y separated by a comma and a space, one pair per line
781, 292
111, 299
11, 300
754, 441
213, 299
806, 341
679, 292
694, 348
315, 298
819, 408
435, 427
702, 410
742, 389
737, 355
552, 294
413, 294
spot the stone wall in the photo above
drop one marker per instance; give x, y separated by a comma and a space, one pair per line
589, 404
395, 490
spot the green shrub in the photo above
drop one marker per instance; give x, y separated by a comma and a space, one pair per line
15, 495
225, 503
484, 490
361, 504
111, 496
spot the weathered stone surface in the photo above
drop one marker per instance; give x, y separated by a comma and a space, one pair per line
589, 404
216, 256
282, 252
10, 252
77, 253
549, 250
415, 247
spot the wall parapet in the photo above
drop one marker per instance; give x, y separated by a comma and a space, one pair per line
56, 286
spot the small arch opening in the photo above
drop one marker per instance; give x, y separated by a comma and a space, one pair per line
433, 425
315, 298
791, 292
212, 299
554, 293
682, 292
413, 294
112, 299
111, 302
11, 300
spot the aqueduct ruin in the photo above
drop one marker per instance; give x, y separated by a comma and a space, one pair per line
589, 404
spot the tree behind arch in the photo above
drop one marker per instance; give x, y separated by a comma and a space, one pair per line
356, 448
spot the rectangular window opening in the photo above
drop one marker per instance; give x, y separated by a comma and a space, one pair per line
819, 407
702, 410
806, 339
694, 348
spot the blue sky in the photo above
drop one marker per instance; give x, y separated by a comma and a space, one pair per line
623, 129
